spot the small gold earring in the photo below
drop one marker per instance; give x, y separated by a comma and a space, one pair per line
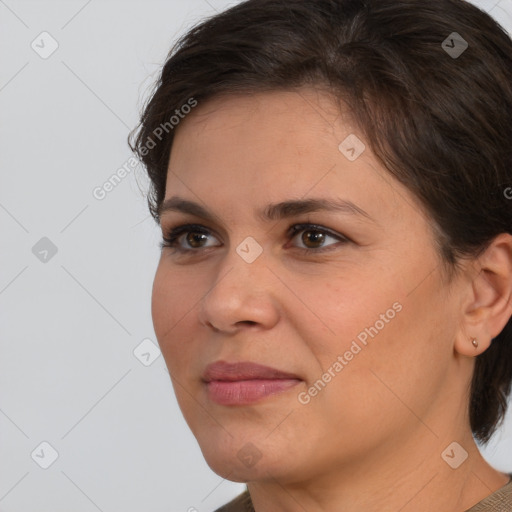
474, 342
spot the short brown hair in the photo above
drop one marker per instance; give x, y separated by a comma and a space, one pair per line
440, 121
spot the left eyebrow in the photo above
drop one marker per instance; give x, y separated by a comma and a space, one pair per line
272, 212
292, 208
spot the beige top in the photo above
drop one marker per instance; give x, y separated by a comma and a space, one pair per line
499, 501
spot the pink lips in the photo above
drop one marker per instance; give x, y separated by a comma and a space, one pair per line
244, 383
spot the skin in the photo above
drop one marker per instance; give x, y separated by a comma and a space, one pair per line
372, 438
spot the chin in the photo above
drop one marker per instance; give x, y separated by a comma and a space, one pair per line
239, 459
233, 474
231, 467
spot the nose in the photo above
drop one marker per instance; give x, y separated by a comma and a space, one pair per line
242, 296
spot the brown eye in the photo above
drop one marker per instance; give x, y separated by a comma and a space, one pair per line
189, 238
313, 239
196, 240
310, 237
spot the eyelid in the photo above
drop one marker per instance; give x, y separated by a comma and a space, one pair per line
171, 236
308, 226
295, 229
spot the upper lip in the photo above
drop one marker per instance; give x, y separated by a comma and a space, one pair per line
243, 370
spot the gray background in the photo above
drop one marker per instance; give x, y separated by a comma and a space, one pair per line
72, 373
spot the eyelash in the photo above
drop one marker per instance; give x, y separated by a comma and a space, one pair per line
172, 237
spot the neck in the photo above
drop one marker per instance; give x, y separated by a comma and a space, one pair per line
407, 476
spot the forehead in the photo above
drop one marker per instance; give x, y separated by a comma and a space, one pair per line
277, 146
288, 114
277, 133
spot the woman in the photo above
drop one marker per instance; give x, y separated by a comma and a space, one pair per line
334, 295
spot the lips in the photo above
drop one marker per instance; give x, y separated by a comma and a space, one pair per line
245, 383
224, 371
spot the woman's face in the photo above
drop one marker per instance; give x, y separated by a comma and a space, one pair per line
346, 301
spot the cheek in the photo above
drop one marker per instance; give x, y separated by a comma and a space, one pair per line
172, 306
163, 309
364, 319
398, 372
344, 306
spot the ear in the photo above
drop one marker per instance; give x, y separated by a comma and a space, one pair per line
488, 305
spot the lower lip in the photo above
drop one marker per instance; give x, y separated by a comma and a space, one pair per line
245, 392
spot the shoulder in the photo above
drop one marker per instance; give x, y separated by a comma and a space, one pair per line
499, 501
241, 503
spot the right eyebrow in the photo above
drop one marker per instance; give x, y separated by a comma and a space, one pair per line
178, 204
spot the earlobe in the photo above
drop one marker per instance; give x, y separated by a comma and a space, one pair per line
470, 346
489, 306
